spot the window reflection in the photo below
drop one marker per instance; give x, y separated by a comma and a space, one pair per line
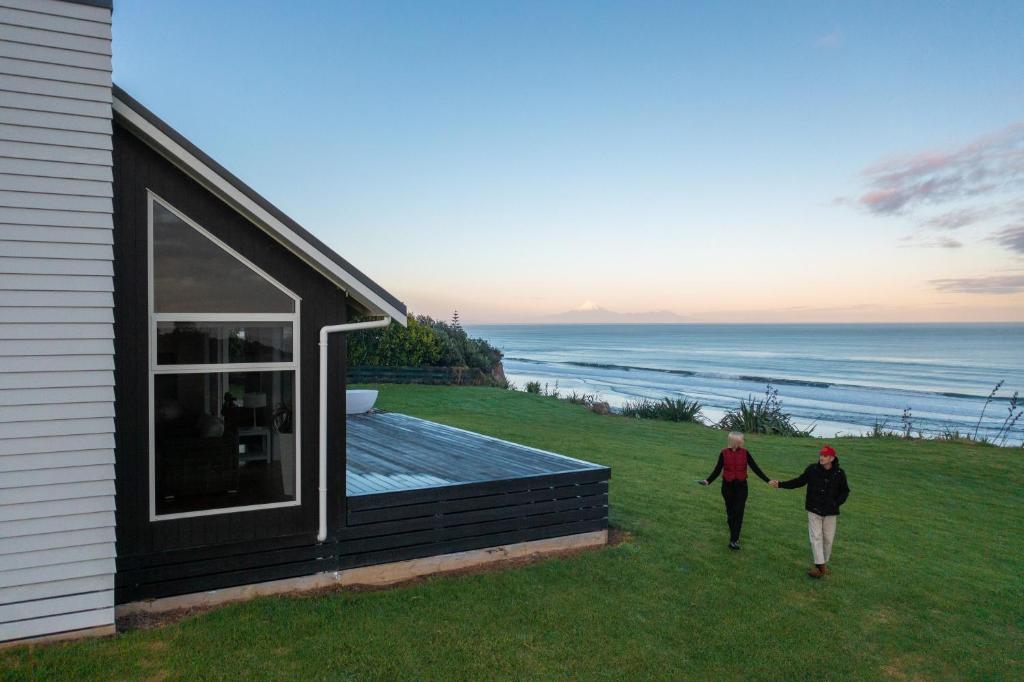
224, 439
192, 274
193, 343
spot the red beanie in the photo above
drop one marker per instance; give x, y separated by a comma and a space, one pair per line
827, 451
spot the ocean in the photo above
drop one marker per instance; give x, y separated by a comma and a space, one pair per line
841, 378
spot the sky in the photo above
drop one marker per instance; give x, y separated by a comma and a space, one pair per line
741, 162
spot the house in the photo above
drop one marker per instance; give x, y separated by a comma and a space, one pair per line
172, 380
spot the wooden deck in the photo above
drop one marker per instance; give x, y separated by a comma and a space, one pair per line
415, 488
389, 452
419, 489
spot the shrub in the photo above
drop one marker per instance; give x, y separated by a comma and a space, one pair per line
880, 430
533, 387
762, 416
642, 408
666, 409
1013, 415
955, 435
680, 410
991, 397
575, 398
423, 342
908, 423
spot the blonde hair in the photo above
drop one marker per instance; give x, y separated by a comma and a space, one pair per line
735, 439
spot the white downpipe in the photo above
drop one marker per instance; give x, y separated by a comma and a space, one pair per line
324, 331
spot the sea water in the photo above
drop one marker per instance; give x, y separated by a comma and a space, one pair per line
841, 378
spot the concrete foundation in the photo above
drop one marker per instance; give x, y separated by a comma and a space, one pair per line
375, 576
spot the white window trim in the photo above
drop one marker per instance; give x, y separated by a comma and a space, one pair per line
153, 369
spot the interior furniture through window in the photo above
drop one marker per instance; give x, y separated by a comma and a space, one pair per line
224, 358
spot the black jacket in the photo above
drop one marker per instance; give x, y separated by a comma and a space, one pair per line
826, 488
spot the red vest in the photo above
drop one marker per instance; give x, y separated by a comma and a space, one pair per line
735, 464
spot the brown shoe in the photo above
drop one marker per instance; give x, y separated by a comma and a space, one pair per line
816, 572
824, 569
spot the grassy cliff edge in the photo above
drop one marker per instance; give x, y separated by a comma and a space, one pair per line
926, 584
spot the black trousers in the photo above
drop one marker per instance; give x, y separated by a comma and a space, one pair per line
735, 495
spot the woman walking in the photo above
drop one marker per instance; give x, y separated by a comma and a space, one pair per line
827, 489
732, 464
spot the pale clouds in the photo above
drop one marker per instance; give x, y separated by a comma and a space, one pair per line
991, 164
943, 243
1011, 237
953, 220
996, 284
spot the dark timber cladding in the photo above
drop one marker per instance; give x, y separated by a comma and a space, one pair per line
416, 488
420, 489
205, 552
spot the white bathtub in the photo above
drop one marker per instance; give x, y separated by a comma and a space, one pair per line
358, 402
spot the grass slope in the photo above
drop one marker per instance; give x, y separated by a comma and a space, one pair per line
927, 579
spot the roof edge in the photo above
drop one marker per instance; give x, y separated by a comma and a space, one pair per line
104, 4
386, 302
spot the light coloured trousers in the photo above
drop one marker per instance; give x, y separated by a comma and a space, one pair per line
822, 531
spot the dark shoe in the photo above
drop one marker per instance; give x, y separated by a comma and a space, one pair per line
734, 545
816, 572
824, 569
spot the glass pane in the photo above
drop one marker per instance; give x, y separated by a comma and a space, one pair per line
191, 274
195, 343
224, 439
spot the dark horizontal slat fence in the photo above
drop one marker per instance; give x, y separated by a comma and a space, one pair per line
389, 527
417, 523
419, 375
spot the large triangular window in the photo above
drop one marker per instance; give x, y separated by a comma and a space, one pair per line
192, 274
224, 358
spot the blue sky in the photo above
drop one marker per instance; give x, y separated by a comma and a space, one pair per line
742, 161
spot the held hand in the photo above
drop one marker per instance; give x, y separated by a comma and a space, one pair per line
773, 483
705, 482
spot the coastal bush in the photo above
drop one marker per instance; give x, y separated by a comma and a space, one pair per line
423, 342
666, 409
908, 423
586, 399
533, 387
762, 416
1002, 435
1012, 417
458, 349
880, 430
957, 436
991, 397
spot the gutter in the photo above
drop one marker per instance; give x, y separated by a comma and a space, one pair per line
324, 331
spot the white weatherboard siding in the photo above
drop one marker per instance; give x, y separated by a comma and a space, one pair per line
56, 319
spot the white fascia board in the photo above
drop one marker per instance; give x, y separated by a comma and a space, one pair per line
259, 216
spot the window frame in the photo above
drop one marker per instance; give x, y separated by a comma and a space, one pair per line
154, 369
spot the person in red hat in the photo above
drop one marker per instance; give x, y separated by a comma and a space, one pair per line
827, 490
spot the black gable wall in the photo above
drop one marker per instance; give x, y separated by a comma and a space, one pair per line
187, 555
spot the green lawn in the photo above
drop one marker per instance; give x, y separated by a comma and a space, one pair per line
928, 578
